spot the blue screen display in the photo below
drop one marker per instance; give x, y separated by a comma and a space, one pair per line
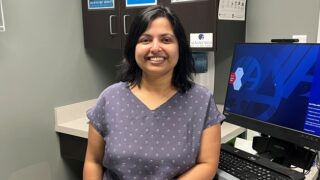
277, 83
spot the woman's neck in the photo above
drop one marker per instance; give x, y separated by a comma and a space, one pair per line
153, 92
157, 84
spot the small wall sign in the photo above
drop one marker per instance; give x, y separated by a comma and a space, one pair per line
132, 3
100, 4
201, 40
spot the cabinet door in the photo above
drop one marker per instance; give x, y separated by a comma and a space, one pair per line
198, 17
127, 16
101, 27
128, 13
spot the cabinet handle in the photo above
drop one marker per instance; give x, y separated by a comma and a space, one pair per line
124, 24
110, 22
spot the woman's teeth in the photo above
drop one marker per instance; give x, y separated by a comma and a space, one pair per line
156, 59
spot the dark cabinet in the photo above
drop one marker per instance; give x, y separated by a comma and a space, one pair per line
72, 147
127, 15
198, 18
101, 26
107, 28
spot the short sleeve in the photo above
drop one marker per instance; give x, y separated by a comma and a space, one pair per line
213, 115
97, 115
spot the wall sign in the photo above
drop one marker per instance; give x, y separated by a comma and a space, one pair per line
177, 1
132, 3
201, 40
100, 4
232, 10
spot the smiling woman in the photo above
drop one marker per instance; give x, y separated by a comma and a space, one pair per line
182, 78
156, 123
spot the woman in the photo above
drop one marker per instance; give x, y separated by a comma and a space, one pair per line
156, 123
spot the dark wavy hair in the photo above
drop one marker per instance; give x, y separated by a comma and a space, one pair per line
182, 73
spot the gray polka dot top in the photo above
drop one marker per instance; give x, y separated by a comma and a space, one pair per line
151, 144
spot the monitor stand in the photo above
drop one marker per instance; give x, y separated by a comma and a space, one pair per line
282, 152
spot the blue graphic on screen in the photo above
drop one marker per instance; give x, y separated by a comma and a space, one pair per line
278, 84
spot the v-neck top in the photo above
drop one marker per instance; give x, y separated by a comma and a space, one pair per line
151, 144
146, 107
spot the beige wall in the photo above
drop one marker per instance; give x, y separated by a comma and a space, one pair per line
43, 64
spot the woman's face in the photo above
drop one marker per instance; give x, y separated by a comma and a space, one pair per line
157, 50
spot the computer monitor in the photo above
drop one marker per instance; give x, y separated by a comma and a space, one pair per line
274, 88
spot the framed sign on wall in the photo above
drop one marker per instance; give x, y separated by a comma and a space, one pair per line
100, 4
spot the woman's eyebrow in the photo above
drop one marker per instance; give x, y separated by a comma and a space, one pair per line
146, 35
164, 34
168, 34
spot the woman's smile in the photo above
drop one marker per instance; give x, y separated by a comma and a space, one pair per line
156, 60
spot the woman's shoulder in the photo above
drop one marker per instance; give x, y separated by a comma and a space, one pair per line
199, 90
115, 88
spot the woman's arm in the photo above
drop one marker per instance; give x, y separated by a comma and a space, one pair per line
92, 169
208, 158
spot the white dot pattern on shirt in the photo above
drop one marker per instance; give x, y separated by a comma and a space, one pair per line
144, 144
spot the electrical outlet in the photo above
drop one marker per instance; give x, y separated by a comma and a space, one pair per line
302, 38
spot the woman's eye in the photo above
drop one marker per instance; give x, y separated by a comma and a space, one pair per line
144, 40
167, 40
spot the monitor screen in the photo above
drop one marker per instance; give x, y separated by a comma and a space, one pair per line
274, 88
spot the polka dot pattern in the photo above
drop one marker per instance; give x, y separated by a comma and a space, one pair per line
151, 144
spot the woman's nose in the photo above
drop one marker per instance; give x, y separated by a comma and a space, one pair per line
156, 47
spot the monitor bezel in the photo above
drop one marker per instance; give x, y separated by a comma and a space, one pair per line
299, 138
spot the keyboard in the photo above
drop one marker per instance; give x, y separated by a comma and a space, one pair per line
243, 165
